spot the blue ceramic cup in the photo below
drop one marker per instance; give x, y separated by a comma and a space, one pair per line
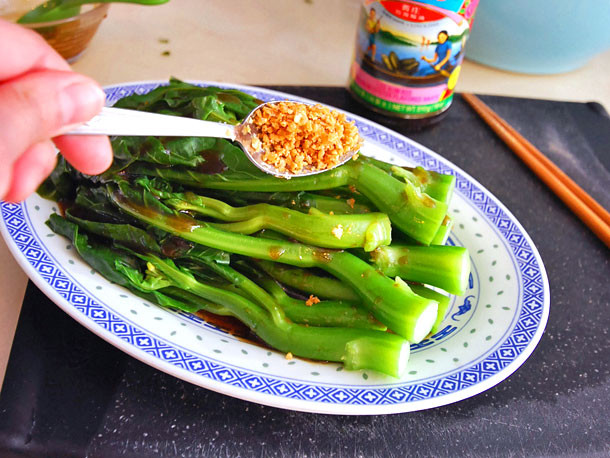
539, 36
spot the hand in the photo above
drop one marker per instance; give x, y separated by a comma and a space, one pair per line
41, 98
437, 68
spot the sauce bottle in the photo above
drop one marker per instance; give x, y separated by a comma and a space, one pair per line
408, 56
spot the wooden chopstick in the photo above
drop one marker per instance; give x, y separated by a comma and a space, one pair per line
582, 204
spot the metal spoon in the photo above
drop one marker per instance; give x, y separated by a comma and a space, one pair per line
119, 121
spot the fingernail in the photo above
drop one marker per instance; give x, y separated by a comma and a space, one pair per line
80, 102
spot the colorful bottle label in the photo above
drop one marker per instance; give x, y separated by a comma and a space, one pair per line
408, 54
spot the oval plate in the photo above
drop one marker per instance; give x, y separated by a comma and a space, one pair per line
486, 335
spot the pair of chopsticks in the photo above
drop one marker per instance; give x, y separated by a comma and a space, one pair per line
582, 204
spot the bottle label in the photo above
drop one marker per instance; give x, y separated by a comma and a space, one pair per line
408, 54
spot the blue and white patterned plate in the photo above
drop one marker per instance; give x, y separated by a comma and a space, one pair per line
487, 334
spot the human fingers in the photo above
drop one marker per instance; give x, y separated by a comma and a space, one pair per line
41, 105
32, 167
23, 50
89, 154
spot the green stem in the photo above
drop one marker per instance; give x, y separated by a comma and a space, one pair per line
392, 303
442, 235
253, 291
443, 304
413, 212
336, 177
195, 302
330, 231
356, 348
329, 313
329, 204
437, 185
301, 201
303, 280
445, 267
324, 313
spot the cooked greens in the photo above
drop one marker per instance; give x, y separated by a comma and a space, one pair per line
307, 264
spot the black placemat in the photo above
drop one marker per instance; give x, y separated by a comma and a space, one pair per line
68, 393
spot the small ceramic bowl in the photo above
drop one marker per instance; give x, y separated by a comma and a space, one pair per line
71, 36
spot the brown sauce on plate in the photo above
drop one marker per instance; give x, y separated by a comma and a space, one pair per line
213, 163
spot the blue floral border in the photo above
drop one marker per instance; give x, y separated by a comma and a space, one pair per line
528, 324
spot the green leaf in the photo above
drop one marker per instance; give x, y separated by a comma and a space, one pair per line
60, 184
211, 109
123, 234
185, 99
54, 10
101, 258
185, 151
94, 204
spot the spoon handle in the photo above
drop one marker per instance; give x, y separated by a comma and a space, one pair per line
118, 121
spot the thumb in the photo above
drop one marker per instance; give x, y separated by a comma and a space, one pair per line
38, 106
41, 105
